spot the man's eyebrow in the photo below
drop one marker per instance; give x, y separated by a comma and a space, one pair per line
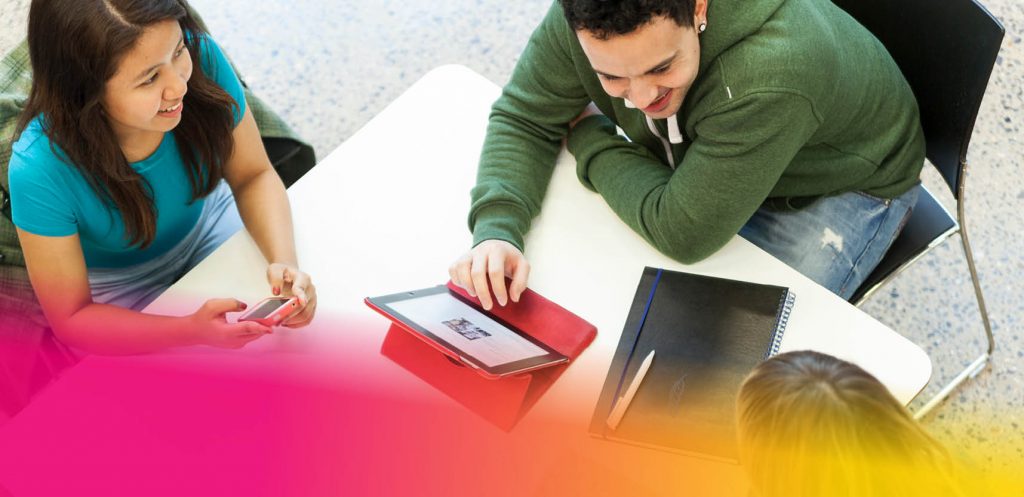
649, 71
154, 66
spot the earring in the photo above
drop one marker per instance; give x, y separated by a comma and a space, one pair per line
702, 27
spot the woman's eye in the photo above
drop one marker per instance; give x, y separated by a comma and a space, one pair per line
179, 52
150, 80
610, 78
660, 70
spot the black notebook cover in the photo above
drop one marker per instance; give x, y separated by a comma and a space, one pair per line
708, 334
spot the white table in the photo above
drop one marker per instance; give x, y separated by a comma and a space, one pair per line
386, 212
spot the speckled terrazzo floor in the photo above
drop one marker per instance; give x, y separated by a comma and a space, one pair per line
330, 66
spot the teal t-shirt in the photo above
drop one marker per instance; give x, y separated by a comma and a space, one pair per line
49, 197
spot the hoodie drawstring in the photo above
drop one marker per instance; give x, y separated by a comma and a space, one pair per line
674, 136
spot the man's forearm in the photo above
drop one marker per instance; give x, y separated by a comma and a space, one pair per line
660, 205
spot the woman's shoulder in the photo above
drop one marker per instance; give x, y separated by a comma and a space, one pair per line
210, 55
34, 153
30, 137
218, 68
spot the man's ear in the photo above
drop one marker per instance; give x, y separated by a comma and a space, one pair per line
700, 12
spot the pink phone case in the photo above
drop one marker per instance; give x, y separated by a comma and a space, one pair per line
287, 307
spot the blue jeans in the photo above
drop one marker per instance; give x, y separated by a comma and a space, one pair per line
134, 287
836, 241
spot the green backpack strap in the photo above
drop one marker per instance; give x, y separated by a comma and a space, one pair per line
15, 82
36, 356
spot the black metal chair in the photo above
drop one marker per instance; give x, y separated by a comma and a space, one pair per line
946, 50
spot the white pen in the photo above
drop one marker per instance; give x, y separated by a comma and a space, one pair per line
623, 403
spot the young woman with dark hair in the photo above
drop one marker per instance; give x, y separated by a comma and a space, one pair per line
133, 149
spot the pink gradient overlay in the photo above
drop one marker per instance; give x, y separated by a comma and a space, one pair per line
315, 411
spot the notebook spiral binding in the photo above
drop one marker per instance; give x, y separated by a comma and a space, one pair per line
780, 325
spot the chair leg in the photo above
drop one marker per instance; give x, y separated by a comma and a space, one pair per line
970, 372
981, 361
977, 288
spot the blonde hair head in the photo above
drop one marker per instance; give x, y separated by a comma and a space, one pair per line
810, 424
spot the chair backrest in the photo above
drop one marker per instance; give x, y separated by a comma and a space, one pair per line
946, 49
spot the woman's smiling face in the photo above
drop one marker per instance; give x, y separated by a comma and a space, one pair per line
146, 93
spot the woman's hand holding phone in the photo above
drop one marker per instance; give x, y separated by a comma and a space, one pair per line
287, 279
210, 326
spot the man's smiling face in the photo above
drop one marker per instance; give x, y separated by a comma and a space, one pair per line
653, 66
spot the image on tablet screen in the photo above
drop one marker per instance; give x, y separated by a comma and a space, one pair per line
467, 329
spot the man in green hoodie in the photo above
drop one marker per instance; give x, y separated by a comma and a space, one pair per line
782, 120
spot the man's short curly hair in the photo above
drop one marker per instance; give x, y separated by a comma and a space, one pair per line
607, 18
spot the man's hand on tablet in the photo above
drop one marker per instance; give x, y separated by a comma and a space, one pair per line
490, 262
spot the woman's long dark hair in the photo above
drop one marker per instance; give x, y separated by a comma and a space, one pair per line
75, 47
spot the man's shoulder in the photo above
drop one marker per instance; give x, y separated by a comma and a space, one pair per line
805, 45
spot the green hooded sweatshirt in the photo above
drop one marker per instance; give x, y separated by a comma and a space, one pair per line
793, 100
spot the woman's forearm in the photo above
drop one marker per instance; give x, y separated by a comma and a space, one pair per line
265, 210
111, 330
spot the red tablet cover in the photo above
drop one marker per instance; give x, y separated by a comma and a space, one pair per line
504, 401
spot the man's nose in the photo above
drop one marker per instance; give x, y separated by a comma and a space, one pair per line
642, 94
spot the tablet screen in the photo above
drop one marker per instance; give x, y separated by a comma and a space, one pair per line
467, 329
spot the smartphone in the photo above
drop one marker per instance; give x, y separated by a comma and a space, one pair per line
271, 311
